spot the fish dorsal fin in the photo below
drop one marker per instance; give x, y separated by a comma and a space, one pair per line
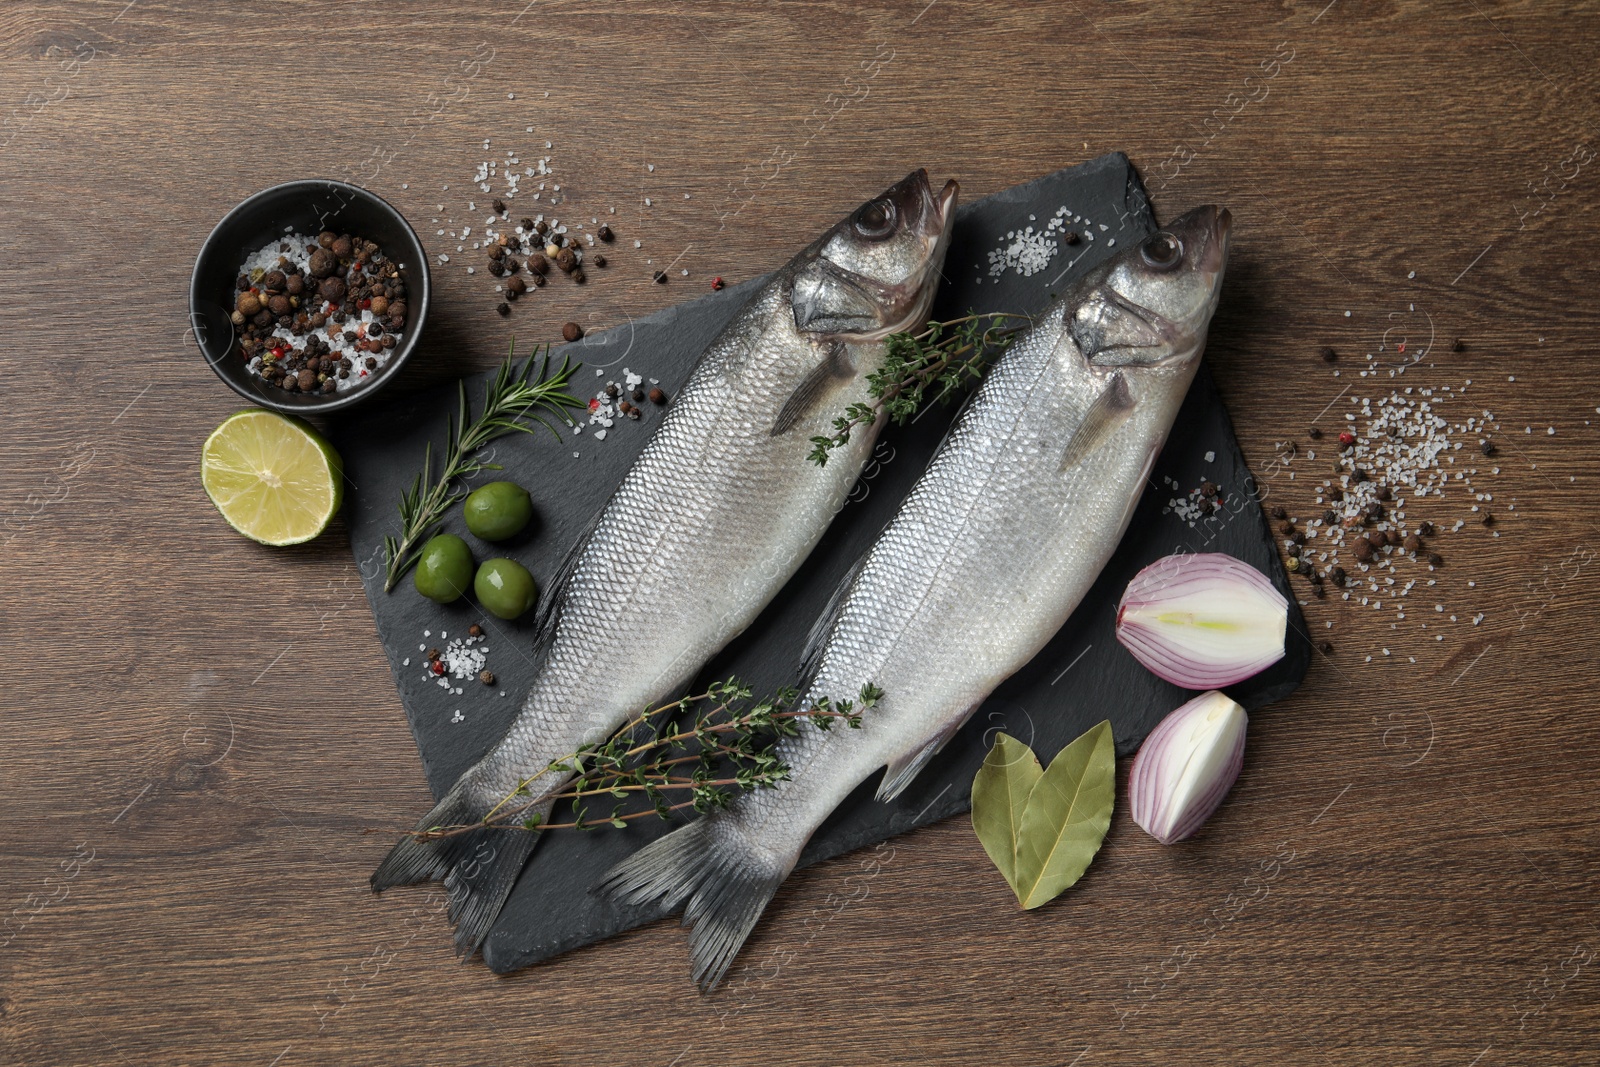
1109, 411
901, 771
817, 639
549, 619
833, 368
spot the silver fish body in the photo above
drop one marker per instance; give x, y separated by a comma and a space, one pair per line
713, 518
995, 546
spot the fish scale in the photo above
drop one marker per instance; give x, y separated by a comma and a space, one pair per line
1001, 537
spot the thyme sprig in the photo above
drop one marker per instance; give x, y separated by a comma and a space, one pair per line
512, 402
708, 748
941, 359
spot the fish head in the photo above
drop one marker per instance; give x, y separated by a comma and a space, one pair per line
875, 273
1150, 304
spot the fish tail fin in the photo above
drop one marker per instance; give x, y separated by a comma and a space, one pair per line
477, 866
723, 884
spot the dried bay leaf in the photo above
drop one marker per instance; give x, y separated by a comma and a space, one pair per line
1066, 818
999, 796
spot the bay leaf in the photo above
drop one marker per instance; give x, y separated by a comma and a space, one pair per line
1066, 818
999, 795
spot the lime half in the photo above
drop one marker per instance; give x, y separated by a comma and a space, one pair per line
273, 477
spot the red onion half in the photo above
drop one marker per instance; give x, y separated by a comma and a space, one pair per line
1203, 620
1186, 766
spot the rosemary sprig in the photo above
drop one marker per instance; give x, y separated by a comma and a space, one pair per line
511, 404
708, 748
943, 357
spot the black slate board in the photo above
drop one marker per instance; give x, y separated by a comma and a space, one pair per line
1081, 677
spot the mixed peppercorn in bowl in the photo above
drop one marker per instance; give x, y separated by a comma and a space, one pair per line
309, 296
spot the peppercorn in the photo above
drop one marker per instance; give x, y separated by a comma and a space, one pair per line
1327, 647
516, 286
541, 228
612, 390
342, 247
497, 268
237, 318
1298, 537
571, 331
527, 225
1374, 511
330, 386
380, 306
1318, 591
1329, 355
1458, 345
1363, 549
657, 396
1286, 528
538, 281
578, 277
1070, 237
567, 261
503, 308
499, 206
1487, 448
1412, 543
1278, 512
1359, 475
537, 264
599, 261
263, 319
511, 265
1385, 493
294, 284
247, 304
1435, 559
1426, 529
1208, 488
1293, 564
511, 295
332, 289
1314, 433
1395, 539
273, 279
1338, 576
350, 335
638, 396
605, 234
1377, 540
437, 667
370, 363
279, 304
243, 283
307, 379
624, 407
496, 251
1488, 519
486, 677
716, 285
633, 412
659, 277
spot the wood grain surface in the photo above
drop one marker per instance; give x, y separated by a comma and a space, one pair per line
196, 730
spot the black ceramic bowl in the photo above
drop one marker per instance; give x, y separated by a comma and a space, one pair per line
307, 207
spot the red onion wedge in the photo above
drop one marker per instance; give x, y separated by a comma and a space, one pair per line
1203, 620
1186, 766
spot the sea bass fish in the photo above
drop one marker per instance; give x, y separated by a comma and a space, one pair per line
713, 518
1003, 535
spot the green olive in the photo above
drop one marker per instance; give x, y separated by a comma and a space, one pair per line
505, 587
498, 510
444, 569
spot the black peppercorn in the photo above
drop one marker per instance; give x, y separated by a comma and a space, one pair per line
605, 234
571, 331
1329, 355
503, 308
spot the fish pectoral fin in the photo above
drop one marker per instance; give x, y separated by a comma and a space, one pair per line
834, 367
1109, 411
901, 771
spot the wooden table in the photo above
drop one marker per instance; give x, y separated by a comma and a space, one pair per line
197, 730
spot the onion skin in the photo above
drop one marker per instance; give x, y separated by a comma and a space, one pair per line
1186, 766
1203, 620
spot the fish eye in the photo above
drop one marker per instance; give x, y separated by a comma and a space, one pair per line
1163, 251
875, 220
